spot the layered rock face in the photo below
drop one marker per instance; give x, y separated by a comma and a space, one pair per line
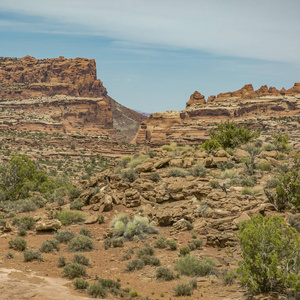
192, 124
59, 95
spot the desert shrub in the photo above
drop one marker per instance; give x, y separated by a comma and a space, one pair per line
24, 222
151, 153
22, 231
18, 244
258, 143
154, 176
248, 191
85, 231
80, 243
164, 274
74, 270
161, 242
199, 171
166, 148
136, 226
183, 289
248, 181
145, 251
137, 161
81, 259
211, 145
172, 244
197, 243
118, 242
284, 168
272, 183
30, 255
191, 246
270, 254
184, 251
61, 261
135, 264
229, 277
49, 245
107, 243
191, 266
80, 284
73, 193
226, 165
281, 142
294, 221
124, 161
129, 175
176, 172
77, 204
150, 260
233, 182
214, 184
268, 147
9, 255
230, 151
264, 166
228, 174
230, 135
101, 219
67, 217
96, 290
64, 236
128, 254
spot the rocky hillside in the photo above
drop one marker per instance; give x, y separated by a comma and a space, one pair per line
192, 124
59, 95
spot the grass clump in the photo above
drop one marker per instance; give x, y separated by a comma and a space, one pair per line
272, 183
96, 290
61, 261
137, 161
118, 242
80, 284
229, 277
176, 172
172, 244
191, 266
251, 192
81, 243
264, 166
25, 222
18, 244
64, 236
67, 217
198, 171
183, 290
74, 270
135, 264
145, 251
161, 242
77, 204
154, 176
30, 255
81, 259
49, 245
129, 175
85, 231
164, 274
184, 251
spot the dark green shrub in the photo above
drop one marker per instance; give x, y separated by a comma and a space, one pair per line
101, 219
176, 172
214, 184
183, 290
107, 243
281, 142
193, 283
64, 236
18, 244
49, 245
191, 266
24, 222
197, 243
80, 284
81, 259
61, 261
22, 231
96, 290
67, 217
109, 284
230, 135
135, 264
294, 221
270, 254
30, 255
211, 145
154, 176
80, 243
151, 153
77, 204
172, 244
145, 251
74, 270
9, 255
74, 193
130, 175
184, 251
161, 242
118, 242
85, 231
164, 274
150, 260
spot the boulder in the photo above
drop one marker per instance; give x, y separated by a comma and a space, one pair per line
46, 225
239, 153
132, 198
267, 154
91, 219
145, 167
163, 162
106, 203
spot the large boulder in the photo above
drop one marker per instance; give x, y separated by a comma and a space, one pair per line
47, 225
132, 198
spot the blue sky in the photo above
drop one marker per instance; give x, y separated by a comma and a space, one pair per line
153, 54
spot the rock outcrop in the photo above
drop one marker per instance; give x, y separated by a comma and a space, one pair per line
60, 95
192, 124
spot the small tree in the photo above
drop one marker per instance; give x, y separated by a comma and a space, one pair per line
230, 135
253, 151
270, 255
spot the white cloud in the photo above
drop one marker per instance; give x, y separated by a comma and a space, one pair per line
259, 29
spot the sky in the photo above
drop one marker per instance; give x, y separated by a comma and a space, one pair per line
152, 55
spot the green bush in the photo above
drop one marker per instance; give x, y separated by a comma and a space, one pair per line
124, 161
64, 236
183, 290
264, 166
166, 148
136, 226
164, 274
24, 222
199, 171
85, 231
251, 192
137, 161
128, 254
130, 175
49, 245
272, 183
211, 145
30, 255
248, 181
135, 264
229, 277
61, 261
225, 165
9, 255
81, 259
197, 243
281, 142
270, 255
77, 204
230, 135
96, 290
154, 176
172, 244
184, 251
191, 266
118, 242
74, 270
80, 284
67, 217
161, 242
80, 243
214, 184
150, 260
145, 251
18, 244
176, 172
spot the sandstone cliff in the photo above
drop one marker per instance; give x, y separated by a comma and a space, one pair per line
192, 124
60, 95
